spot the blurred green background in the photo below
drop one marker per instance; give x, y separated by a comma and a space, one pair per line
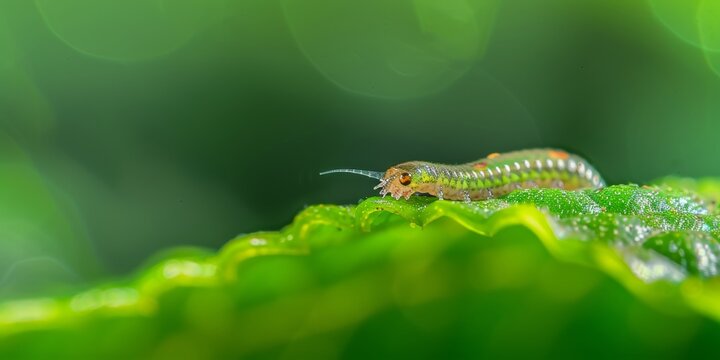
127, 127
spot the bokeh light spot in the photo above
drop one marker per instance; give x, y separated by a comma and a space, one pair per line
709, 28
695, 21
392, 49
36, 222
128, 30
26, 111
33, 275
6, 48
680, 17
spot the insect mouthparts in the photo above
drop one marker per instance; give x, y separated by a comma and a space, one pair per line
377, 175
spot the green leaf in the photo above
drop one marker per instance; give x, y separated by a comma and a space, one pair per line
384, 269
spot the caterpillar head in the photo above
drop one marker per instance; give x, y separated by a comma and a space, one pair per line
396, 181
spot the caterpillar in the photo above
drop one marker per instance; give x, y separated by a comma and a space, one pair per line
487, 178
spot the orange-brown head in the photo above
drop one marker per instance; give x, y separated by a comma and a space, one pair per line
397, 181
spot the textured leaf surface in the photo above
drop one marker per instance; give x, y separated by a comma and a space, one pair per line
450, 269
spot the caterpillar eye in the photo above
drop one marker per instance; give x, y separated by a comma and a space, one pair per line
405, 179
